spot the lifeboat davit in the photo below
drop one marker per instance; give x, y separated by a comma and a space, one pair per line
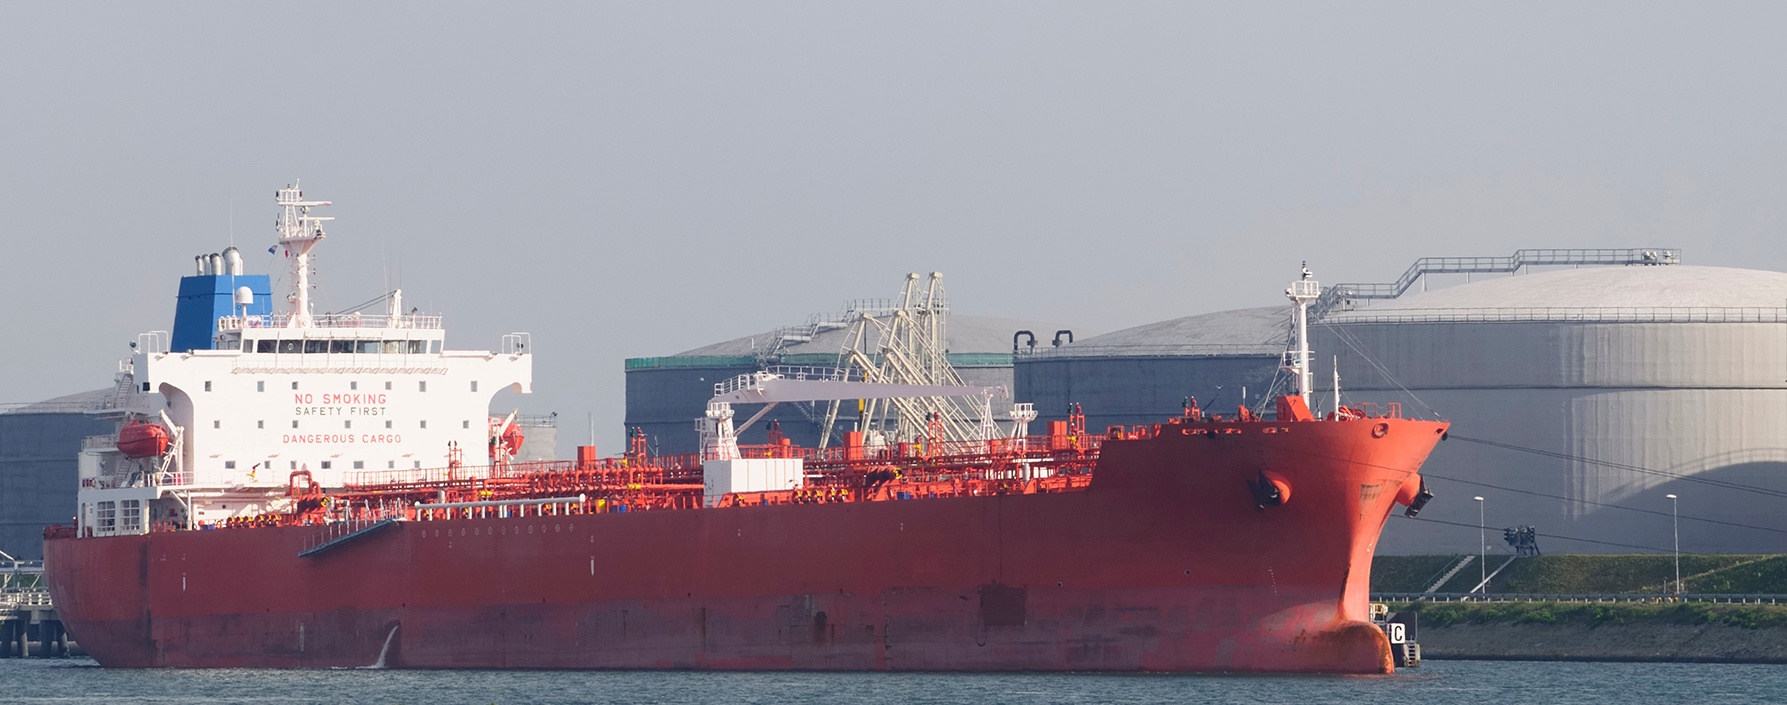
140, 439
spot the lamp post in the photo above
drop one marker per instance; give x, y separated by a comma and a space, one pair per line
1675, 524
1482, 549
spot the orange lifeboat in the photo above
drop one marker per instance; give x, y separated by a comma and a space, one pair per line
512, 439
140, 439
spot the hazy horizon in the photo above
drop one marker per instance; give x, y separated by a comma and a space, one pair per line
629, 180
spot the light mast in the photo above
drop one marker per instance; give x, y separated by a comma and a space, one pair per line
299, 231
1301, 292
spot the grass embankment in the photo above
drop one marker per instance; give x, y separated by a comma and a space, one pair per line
1590, 574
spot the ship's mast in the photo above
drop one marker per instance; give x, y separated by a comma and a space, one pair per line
299, 231
1302, 292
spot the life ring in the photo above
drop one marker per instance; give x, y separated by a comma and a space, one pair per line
1380, 430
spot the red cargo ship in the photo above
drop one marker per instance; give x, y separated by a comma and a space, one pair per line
1201, 543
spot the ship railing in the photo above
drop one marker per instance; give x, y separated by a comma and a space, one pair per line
502, 508
152, 343
618, 472
106, 442
332, 320
1376, 410
350, 517
136, 479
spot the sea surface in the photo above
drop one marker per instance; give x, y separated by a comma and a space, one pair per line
36, 681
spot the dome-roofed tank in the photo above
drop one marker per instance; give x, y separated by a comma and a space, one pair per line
1580, 398
1144, 374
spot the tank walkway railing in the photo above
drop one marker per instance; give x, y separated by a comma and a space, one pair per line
1490, 265
1272, 349
1599, 314
1740, 599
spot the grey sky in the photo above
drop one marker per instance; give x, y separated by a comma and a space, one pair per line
637, 179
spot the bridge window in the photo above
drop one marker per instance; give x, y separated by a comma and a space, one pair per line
265, 346
291, 346
368, 347
418, 346
316, 346
108, 517
341, 346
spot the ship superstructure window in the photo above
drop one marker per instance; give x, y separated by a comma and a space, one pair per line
369, 346
229, 464
216, 423
341, 346
424, 423
294, 385
387, 423
422, 386
465, 424
294, 423
418, 346
347, 424
207, 385
131, 514
316, 346
387, 386
353, 385
260, 386
391, 464
434, 347
474, 385
107, 513
291, 346
260, 424
328, 464
359, 465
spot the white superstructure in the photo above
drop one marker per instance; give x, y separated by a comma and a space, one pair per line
287, 399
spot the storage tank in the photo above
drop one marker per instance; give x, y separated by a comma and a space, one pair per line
1143, 375
1580, 399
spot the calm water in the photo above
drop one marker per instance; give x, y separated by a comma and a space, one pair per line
80, 681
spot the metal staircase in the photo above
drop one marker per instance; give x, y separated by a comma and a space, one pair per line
1458, 566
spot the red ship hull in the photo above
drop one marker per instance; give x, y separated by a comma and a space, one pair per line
1164, 563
